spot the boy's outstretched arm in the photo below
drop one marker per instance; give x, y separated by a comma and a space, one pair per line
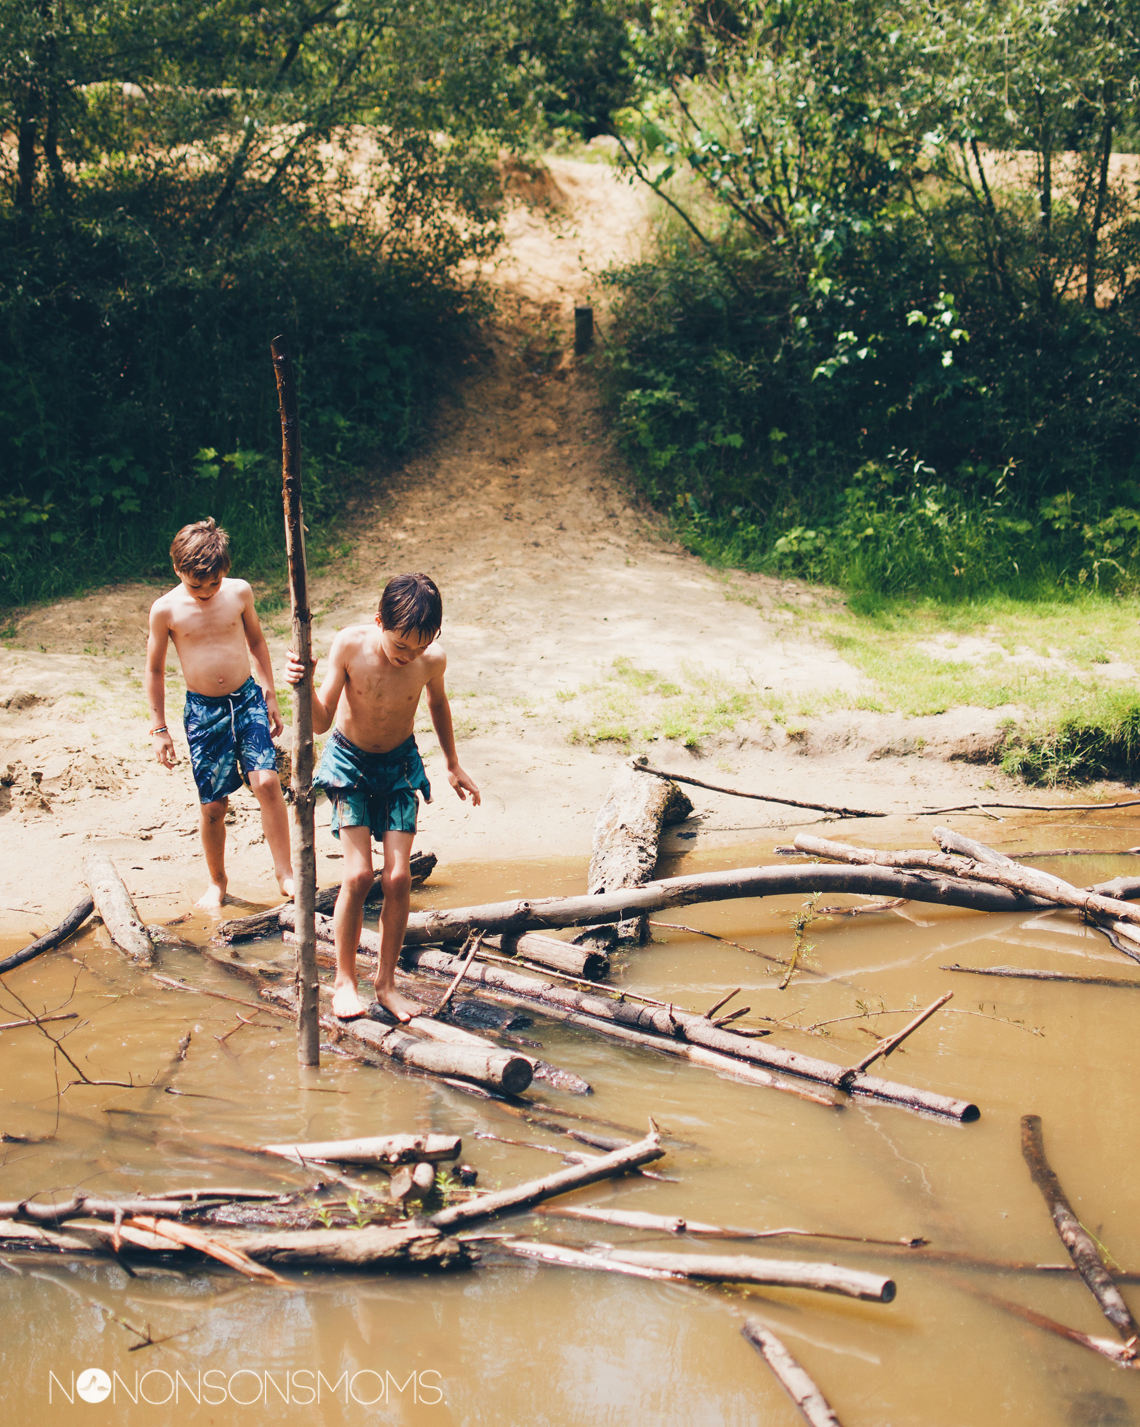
325, 699
259, 657
154, 682
440, 711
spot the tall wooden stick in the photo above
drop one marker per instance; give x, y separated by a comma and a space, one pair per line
303, 840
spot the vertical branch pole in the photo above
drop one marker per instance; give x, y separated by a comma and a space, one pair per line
304, 845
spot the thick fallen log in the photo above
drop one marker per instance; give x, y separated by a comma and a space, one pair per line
445, 1031
792, 1378
1076, 1238
374, 1149
503, 1071
1021, 881
775, 1273
422, 865
1018, 972
565, 1257
627, 832
581, 961
94, 1206
72, 922
607, 1166
114, 905
671, 1025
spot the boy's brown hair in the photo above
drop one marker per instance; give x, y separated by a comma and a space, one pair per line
201, 549
412, 604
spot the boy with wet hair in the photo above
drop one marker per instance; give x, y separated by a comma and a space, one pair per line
230, 717
371, 769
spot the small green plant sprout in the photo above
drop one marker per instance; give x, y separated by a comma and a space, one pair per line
801, 920
324, 1215
358, 1210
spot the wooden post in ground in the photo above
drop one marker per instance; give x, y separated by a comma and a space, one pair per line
304, 845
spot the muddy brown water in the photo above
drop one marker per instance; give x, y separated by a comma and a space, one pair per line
514, 1342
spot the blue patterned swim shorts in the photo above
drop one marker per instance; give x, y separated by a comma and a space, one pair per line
373, 790
223, 729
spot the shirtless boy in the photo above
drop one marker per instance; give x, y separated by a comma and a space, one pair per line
371, 769
228, 717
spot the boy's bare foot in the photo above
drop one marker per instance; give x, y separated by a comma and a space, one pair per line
213, 897
346, 1003
286, 885
400, 1006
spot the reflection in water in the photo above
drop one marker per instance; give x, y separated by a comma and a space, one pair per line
516, 1342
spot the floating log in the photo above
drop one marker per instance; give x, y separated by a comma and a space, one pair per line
776, 1273
672, 1026
627, 832
375, 1149
582, 961
792, 1378
671, 1224
1076, 1238
72, 922
94, 1206
643, 767
1022, 974
1019, 880
265, 923
114, 905
607, 1166
494, 1069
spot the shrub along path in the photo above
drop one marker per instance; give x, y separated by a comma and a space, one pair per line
576, 631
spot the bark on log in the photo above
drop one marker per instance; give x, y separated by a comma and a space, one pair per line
1019, 973
670, 1025
627, 832
553, 913
572, 960
114, 905
607, 1166
266, 924
74, 919
792, 1378
1023, 881
1077, 1239
375, 1149
779, 1273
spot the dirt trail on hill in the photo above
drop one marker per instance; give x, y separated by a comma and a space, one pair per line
568, 612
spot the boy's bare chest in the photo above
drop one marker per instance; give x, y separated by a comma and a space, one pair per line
371, 685
206, 624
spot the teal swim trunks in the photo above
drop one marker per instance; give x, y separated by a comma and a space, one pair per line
373, 790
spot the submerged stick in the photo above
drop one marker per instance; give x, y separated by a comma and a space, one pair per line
607, 1166
114, 905
1075, 1237
72, 922
758, 797
476, 943
1018, 972
891, 1043
792, 1378
1116, 1353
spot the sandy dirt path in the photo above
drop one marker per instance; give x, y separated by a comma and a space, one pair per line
566, 606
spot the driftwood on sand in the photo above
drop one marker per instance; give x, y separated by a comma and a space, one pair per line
607, 1166
627, 832
266, 923
1076, 1238
791, 1377
643, 767
72, 922
114, 905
